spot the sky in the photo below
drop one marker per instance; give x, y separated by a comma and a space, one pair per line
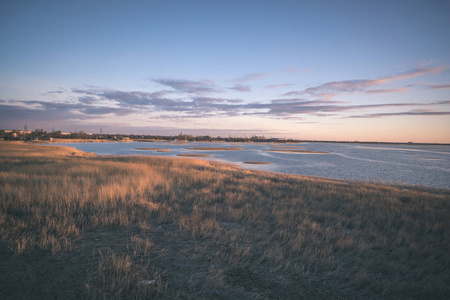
310, 70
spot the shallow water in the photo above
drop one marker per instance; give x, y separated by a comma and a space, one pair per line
399, 164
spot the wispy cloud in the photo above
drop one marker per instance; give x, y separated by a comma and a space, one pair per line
88, 100
387, 91
408, 113
54, 107
432, 86
251, 77
11, 113
191, 87
360, 85
241, 88
158, 101
135, 98
43, 110
212, 100
193, 99
420, 72
312, 107
298, 107
241, 83
126, 99
102, 102
53, 92
272, 86
99, 110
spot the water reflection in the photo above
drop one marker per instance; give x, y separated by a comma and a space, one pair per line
415, 164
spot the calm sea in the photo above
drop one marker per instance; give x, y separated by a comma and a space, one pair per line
392, 164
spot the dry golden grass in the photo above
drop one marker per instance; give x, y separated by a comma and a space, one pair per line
20, 149
82, 226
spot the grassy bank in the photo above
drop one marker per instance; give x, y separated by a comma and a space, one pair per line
75, 225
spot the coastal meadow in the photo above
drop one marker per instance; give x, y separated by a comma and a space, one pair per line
77, 225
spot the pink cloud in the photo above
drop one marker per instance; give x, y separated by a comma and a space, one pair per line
251, 77
443, 86
406, 113
420, 72
241, 88
295, 70
361, 85
386, 91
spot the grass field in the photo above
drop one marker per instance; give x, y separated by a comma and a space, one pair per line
78, 226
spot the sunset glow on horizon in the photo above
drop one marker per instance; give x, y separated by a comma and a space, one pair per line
310, 70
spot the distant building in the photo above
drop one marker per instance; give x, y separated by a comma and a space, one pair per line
258, 137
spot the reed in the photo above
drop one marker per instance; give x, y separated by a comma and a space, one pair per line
82, 226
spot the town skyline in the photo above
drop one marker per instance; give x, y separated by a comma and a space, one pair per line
55, 135
334, 71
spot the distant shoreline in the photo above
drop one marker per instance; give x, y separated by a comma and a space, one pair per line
63, 140
300, 154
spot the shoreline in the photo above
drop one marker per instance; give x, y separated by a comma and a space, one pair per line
281, 148
91, 226
64, 140
204, 157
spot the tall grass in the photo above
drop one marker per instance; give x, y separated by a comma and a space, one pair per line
149, 227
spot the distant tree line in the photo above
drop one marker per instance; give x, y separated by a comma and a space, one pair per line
41, 134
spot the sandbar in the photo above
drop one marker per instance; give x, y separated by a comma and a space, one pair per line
194, 155
154, 149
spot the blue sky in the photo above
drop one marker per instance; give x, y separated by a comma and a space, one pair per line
324, 70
